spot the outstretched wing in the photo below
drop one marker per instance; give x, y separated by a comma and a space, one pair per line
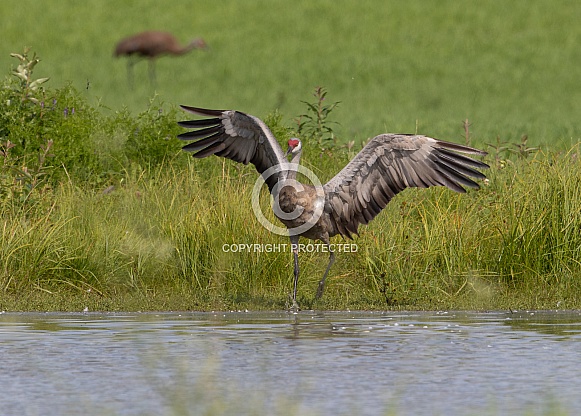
387, 165
236, 136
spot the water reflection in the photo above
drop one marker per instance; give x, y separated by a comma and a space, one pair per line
564, 324
280, 363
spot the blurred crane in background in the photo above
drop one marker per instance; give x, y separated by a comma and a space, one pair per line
150, 45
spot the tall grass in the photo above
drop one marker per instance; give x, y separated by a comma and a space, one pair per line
104, 211
514, 243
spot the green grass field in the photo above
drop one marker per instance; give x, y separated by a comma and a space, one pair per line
511, 68
155, 241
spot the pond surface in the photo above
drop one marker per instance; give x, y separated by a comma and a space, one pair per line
327, 363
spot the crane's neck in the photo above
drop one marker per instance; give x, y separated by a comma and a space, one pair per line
292, 173
180, 50
184, 49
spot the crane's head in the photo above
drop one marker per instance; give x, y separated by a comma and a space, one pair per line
294, 147
198, 43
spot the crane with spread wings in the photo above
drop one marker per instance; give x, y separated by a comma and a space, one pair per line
387, 165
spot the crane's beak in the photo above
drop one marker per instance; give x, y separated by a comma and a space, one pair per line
288, 151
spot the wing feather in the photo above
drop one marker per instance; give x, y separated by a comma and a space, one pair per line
206, 122
387, 165
234, 135
200, 144
210, 150
205, 132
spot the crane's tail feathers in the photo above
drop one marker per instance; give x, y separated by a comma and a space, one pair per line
202, 111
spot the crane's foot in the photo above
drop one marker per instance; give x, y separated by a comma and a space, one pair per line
320, 290
294, 306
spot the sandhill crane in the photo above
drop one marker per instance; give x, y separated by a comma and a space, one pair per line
150, 45
388, 164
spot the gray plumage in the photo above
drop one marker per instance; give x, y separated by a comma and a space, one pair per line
233, 135
388, 164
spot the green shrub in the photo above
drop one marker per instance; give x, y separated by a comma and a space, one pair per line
85, 143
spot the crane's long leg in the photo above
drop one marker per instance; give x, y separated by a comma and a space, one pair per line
152, 79
321, 287
295, 248
130, 63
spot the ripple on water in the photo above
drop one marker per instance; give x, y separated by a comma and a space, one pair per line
279, 363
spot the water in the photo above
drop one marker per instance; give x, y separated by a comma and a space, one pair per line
279, 363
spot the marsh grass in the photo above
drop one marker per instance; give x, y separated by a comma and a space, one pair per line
158, 238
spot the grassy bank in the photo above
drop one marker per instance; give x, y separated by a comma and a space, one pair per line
134, 224
156, 242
